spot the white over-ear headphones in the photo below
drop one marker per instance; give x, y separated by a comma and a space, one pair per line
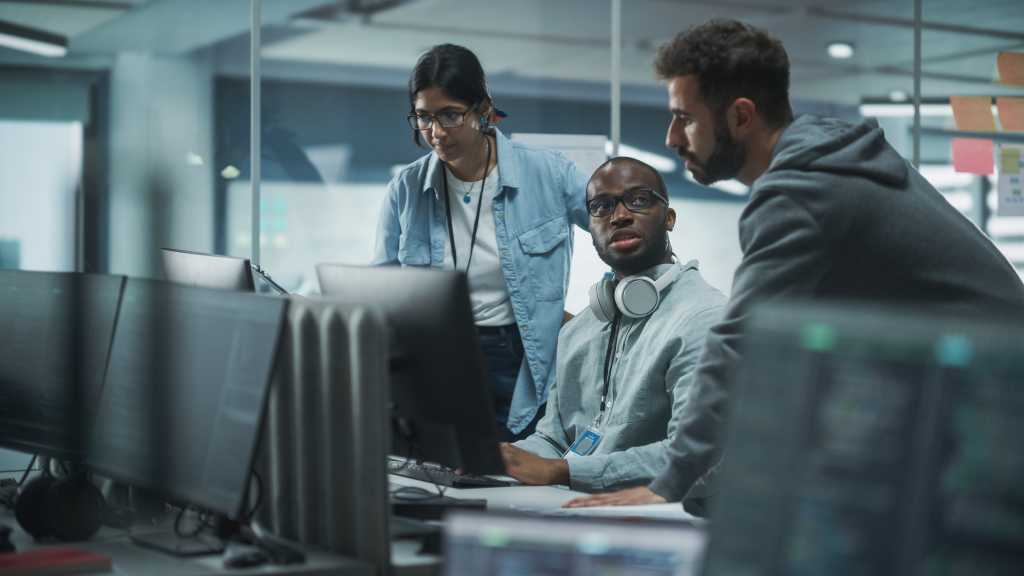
634, 296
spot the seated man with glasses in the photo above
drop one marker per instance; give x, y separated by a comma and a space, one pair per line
625, 363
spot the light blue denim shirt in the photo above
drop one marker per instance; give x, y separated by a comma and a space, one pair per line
540, 195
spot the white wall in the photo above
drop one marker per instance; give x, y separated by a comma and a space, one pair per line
40, 173
706, 231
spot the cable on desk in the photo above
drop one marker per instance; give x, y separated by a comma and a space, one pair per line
24, 476
405, 431
251, 513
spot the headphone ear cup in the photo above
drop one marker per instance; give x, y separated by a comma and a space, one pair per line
637, 296
602, 300
75, 507
30, 509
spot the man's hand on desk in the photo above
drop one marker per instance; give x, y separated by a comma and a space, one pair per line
628, 497
529, 468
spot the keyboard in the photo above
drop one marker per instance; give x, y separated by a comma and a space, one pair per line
437, 474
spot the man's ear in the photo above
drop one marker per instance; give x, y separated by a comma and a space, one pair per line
740, 117
670, 219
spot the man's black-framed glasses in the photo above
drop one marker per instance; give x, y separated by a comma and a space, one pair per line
447, 118
638, 200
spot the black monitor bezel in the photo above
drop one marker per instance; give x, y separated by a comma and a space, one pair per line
431, 323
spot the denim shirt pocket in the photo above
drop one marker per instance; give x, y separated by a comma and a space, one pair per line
413, 251
547, 260
637, 407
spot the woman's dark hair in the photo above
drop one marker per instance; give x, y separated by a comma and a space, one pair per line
453, 69
731, 60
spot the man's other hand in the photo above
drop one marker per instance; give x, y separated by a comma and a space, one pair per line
529, 468
628, 497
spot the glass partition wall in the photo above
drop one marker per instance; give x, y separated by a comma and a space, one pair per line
335, 99
140, 135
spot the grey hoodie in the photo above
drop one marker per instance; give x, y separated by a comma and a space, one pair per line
837, 215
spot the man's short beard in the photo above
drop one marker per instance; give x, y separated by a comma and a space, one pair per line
726, 159
655, 253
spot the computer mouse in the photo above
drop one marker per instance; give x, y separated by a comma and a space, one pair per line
243, 556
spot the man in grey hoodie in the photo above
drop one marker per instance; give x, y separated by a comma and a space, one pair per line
834, 213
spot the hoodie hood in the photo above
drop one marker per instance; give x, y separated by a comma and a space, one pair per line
814, 144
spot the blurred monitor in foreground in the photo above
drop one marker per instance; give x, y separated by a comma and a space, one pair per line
443, 405
184, 397
873, 441
506, 545
55, 336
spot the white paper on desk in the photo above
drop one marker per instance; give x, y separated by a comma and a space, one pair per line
669, 511
1010, 159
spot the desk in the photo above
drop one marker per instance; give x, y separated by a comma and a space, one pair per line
131, 559
405, 559
506, 498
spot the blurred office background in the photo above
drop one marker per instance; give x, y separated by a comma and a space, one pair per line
139, 135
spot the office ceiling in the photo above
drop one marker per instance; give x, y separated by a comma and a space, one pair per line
560, 40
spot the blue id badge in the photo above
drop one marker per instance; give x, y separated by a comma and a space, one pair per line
585, 444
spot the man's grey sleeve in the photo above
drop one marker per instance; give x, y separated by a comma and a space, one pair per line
784, 255
639, 464
549, 439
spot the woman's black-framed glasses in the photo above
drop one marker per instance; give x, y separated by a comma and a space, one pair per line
447, 118
638, 200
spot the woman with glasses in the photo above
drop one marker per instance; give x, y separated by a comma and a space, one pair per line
498, 210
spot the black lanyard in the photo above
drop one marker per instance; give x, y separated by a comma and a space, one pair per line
608, 360
476, 221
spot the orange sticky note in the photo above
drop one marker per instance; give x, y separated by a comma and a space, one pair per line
973, 113
1011, 113
1011, 67
973, 155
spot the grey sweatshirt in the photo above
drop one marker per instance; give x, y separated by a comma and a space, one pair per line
837, 215
655, 363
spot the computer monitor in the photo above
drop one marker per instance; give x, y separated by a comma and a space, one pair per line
873, 441
182, 405
442, 399
207, 270
508, 545
55, 335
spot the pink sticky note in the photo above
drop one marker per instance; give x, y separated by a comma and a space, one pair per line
973, 155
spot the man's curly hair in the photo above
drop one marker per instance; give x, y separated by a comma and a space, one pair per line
731, 60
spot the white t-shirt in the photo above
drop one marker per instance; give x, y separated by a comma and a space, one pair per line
488, 293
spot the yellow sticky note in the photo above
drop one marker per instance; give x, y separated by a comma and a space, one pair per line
973, 113
1011, 67
1009, 160
1011, 113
